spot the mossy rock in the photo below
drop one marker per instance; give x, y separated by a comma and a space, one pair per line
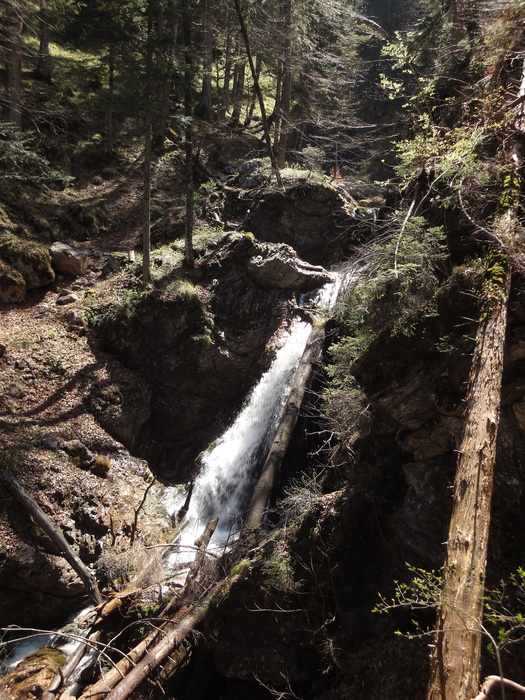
33, 675
31, 259
12, 284
100, 466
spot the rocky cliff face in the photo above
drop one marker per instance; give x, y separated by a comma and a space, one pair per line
201, 347
393, 506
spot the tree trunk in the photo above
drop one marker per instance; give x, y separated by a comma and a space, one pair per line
251, 107
148, 119
13, 65
170, 639
55, 535
225, 98
111, 99
44, 68
188, 132
277, 107
237, 92
286, 95
272, 467
257, 88
455, 660
160, 124
203, 109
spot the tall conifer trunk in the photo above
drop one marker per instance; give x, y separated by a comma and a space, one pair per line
455, 660
188, 130
148, 118
286, 94
13, 65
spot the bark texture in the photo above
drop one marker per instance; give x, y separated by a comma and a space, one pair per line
454, 672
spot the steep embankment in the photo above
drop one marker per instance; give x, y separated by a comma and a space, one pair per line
96, 366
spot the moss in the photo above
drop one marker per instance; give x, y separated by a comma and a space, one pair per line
13, 246
100, 466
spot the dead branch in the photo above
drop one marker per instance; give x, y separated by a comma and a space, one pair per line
492, 682
171, 639
52, 531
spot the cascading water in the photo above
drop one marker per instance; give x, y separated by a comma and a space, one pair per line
230, 469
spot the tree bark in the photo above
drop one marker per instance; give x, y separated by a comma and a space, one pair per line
492, 682
170, 639
455, 660
188, 132
13, 72
272, 467
203, 109
225, 95
237, 92
257, 88
44, 67
148, 119
286, 94
55, 535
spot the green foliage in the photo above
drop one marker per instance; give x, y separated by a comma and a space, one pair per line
20, 161
423, 592
300, 494
395, 290
277, 571
389, 298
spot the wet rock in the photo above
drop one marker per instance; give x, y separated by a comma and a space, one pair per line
32, 676
68, 260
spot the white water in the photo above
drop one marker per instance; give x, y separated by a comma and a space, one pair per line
230, 469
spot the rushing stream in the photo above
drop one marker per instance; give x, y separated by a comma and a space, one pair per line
230, 468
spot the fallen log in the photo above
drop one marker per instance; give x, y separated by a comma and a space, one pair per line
52, 531
110, 679
124, 666
171, 639
66, 671
265, 486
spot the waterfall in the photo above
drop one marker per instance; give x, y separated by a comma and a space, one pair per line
231, 467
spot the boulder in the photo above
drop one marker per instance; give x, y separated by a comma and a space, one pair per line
68, 260
30, 260
317, 220
278, 267
12, 284
33, 675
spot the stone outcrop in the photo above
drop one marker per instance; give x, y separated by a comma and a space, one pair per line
318, 221
24, 264
279, 267
200, 347
68, 260
12, 284
32, 677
